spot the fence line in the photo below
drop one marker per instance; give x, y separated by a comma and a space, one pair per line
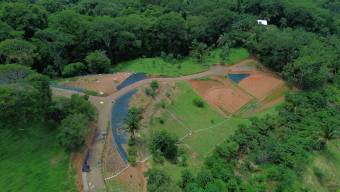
211, 127
117, 174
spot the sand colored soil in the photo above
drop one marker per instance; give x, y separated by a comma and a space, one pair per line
260, 84
221, 94
100, 83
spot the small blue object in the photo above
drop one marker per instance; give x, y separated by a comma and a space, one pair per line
236, 78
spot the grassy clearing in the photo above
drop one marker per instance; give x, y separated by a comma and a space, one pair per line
203, 142
324, 173
32, 160
182, 114
209, 128
159, 67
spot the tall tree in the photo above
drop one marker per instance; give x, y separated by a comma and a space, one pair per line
199, 51
98, 62
72, 131
164, 143
132, 121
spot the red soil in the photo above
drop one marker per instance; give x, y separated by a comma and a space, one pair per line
100, 83
223, 95
260, 85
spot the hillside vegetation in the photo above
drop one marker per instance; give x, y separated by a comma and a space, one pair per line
66, 38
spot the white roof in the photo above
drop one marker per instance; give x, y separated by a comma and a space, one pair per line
262, 22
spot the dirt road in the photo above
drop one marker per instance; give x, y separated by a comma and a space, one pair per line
94, 180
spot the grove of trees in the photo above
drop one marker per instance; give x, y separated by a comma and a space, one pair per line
25, 99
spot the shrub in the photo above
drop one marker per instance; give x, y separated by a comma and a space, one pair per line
74, 69
72, 131
132, 158
98, 62
150, 92
198, 103
161, 121
164, 143
154, 85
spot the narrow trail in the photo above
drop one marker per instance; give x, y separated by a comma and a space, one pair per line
94, 180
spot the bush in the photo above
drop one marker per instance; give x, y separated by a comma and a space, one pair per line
161, 121
164, 143
154, 85
98, 62
132, 158
72, 131
198, 103
74, 69
150, 92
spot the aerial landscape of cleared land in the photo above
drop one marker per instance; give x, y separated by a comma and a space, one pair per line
170, 95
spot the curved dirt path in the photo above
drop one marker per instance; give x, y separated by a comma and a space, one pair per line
93, 180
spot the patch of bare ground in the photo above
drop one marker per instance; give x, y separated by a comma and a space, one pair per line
134, 178
105, 84
221, 93
260, 84
112, 162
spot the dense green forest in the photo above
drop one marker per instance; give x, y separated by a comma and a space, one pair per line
69, 37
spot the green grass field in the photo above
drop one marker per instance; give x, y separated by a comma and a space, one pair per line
159, 67
31, 160
209, 128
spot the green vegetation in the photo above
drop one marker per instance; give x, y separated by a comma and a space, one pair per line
161, 67
37, 133
97, 62
323, 174
159, 181
152, 91
163, 144
133, 120
33, 160
301, 42
204, 129
182, 116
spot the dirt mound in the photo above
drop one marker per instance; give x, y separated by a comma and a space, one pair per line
100, 83
223, 95
260, 85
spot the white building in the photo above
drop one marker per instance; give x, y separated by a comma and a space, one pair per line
262, 22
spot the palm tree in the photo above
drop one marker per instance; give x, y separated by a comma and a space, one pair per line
132, 121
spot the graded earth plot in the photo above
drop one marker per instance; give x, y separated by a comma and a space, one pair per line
260, 84
105, 84
222, 94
